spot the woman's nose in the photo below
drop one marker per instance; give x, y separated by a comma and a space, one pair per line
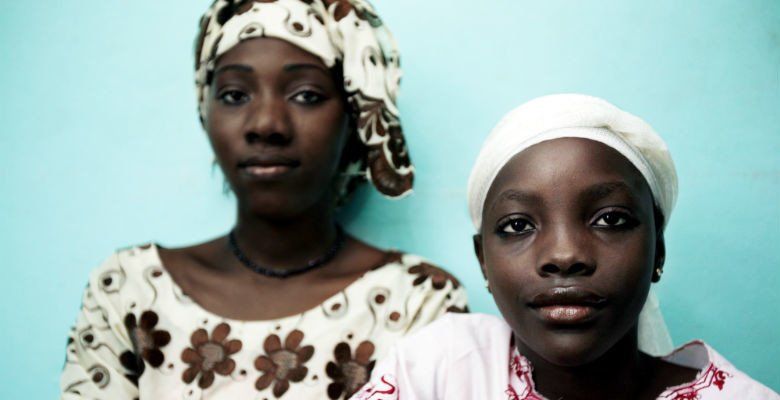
268, 122
566, 252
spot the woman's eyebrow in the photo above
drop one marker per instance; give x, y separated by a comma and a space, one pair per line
300, 66
518, 196
602, 190
233, 67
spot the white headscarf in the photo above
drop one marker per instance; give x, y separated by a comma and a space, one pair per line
576, 115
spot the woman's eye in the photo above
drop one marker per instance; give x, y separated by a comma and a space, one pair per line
308, 97
516, 226
613, 219
233, 97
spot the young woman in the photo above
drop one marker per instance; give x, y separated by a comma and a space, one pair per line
298, 100
570, 197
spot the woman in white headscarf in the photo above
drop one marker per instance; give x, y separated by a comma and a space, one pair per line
570, 197
298, 98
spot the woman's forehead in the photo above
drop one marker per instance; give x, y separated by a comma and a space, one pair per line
268, 49
568, 167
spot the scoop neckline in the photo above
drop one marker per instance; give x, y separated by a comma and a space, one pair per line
693, 345
154, 247
689, 346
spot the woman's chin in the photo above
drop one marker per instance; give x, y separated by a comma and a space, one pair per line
570, 349
273, 209
276, 205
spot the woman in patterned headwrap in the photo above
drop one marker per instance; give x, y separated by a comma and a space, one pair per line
298, 98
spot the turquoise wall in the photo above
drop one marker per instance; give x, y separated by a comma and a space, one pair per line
100, 147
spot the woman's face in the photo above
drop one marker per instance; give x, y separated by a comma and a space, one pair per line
277, 122
568, 245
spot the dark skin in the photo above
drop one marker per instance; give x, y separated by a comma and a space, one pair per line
573, 215
276, 119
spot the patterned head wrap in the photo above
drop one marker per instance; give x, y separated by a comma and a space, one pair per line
344, 34
576, 115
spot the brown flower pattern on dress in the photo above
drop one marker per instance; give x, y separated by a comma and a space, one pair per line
134, 366
147, 342
208, 356
144, 338
349, 373
282, 364
439, 277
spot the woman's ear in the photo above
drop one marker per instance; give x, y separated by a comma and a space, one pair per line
478, 251
481, 257
660, 257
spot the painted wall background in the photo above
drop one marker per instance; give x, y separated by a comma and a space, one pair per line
100, 148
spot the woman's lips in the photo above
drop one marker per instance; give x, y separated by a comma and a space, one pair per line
566, 314
569, 305
269, 171
267, 166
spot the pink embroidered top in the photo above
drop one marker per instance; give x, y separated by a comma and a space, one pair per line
469, 357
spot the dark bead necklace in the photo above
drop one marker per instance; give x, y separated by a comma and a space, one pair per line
285, 273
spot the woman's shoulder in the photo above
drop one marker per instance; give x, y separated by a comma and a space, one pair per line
456, 333
417, 281
717, 377
419, 270
456, 354
119, 285
450, 343
132, 257
125, 266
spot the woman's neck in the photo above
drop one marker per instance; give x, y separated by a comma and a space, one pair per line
622, 373
287, 243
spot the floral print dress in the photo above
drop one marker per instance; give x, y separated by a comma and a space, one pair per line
138, 336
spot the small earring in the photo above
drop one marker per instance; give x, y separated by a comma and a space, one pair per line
657, 274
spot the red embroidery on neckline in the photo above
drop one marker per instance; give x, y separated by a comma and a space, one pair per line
372, 390
711, 377
520, 369
520, 372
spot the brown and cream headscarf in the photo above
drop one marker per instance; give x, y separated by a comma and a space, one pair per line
343, 33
